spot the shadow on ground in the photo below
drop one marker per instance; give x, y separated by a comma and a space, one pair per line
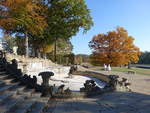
116, 102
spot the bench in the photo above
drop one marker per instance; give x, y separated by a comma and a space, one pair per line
131, 72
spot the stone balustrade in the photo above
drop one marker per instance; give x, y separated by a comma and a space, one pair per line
29, 64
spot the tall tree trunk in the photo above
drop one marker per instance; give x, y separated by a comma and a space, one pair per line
129, 65
27, 45
55, 50
45, 55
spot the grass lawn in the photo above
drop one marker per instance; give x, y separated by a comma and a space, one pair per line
140, 71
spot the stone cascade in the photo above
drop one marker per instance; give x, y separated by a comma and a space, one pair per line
29, 64
20, 94
18, 98
47, 90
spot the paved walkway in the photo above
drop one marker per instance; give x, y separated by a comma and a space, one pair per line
117, 102
139, 83
137, 101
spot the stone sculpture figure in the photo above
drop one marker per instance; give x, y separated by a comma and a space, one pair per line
113, 81
61, 88
1, 54
45, 77
90, 87
14, 64
34, 80
72, 69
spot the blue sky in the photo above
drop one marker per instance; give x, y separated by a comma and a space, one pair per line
133, 15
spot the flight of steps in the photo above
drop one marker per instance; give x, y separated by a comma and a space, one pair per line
16, 98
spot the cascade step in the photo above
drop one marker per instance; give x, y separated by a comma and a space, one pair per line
15, 98
4, 77
2, 68
8, 81
37, 107
22, 106
18, 88
28, 92
8, 87
36, 94
50, 106
2, 83
5, 95
3, 73
9, 102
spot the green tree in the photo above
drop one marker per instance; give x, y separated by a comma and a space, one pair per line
44, 21
144, 58
66, 18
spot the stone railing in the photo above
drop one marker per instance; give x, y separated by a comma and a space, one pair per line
29, 64
97, 75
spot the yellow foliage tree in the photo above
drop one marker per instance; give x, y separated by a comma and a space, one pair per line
115, 48
48, 48
22, 16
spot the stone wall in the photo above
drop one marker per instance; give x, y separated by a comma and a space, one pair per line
29, 64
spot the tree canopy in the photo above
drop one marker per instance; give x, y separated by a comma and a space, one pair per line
144, 58
115, 48
20, 16
44, 21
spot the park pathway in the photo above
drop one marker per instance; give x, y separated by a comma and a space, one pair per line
117, 102
139, 83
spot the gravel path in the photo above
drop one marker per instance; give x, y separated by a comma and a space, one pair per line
139, 83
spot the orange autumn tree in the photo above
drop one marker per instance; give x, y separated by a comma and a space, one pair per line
115, 48
23, 17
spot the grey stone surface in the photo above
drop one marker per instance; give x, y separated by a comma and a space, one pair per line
22, 106
7, 87
37, 107
9, 102
116, 102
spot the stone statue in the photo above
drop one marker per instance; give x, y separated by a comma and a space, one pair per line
61, 88
72, 69
1, 54
45, 77
113, 81
15, 63
90, 87
47, 90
